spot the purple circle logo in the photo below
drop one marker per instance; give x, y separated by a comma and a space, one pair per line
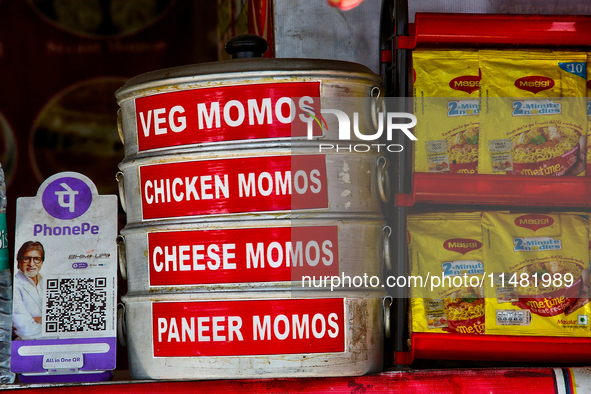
67, 198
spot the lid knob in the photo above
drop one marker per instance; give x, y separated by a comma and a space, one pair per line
246, 45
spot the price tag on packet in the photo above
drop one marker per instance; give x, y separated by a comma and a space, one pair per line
65, 282
435, 313
505, 293
502, 158
437, 156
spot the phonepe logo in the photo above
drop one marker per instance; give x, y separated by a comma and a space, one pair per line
357, 127
67, 198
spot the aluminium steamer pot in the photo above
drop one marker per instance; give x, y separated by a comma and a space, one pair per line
203, 256
259, 183
247, 335
222, 172
225, 105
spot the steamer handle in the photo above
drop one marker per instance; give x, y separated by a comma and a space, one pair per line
121, 325
377, 104
383, 179
386, 305
386, 244
122, 256
120, 126
121, 187
246, 46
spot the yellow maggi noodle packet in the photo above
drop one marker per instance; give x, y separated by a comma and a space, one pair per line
445, 252
539, 265
446, 107
532, 113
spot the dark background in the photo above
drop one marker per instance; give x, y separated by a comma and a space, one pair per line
60, 67
61, 62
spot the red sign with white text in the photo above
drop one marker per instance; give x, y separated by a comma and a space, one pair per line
227, 113
248, 328
271, 254
254, 184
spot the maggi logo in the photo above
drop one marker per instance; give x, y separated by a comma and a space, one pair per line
534, 222
465, 83
534, 83
462, 245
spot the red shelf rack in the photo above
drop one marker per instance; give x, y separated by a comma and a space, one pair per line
479, 30
500, 348
501, 31
499, 381
572, 191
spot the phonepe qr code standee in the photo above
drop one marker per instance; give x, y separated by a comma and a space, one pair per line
65, 246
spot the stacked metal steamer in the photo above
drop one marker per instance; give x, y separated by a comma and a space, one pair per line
228, 206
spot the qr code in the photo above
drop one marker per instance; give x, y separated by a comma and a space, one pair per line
76, 305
